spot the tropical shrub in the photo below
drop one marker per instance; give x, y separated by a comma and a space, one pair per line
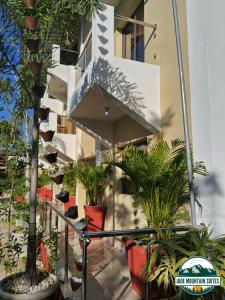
95, 179
161, 180
172, 250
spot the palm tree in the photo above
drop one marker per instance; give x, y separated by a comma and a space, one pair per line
95, 179
160, 179
53, 15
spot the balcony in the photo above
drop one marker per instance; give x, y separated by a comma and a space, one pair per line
111, 93
61, 77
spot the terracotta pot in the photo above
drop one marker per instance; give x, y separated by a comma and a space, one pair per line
75, 283
38, 242
33, 45
63, 196
137, 261
31, 23
71, 203
29, 3
47, 135
50, 293
45, 194
20, 199
51, 157
95, 216
39, 90
72, 213
43, 113
58, 178
35, 68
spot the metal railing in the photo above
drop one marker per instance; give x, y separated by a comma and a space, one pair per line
86, 56
86, 236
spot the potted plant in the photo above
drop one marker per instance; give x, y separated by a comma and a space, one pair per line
29, 284
95, 180
69, 184
43, 113
161, 189
47, 135
58, 177
51, 157
177, 248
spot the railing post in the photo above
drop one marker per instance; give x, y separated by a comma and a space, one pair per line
66, 254
56, 246
84, 273
50, 220
148, 283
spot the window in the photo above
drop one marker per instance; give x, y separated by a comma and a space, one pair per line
133, 37
65, 126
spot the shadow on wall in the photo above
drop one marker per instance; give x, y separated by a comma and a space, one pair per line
59, 143
208, 186
106, 78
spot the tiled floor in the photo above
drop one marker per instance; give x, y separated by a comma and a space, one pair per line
108, 275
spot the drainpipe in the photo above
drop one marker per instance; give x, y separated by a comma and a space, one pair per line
185, 113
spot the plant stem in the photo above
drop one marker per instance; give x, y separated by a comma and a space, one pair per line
31, 247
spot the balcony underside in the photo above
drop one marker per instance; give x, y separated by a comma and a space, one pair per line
117, 127
128, 90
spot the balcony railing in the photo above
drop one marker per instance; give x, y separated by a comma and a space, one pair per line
53, 212
86, 56
65, 126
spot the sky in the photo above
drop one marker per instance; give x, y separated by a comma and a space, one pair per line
10, 43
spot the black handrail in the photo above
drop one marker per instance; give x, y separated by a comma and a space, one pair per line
85, 236
127, 232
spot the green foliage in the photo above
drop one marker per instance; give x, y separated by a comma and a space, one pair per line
69, 180
95, 179
171, 251
51, 243
44, 178
161, 181
11, 249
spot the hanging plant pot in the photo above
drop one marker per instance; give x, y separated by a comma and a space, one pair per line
39, 90
35, 68
75, 283
29, 3
33, 45
43, 113
47, 135
51, 157
72, 212
63, 196
31, 23
58, 178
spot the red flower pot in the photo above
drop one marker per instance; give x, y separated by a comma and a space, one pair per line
35, 68
33, 45
71, 203
31, 23
43, 113
47, 135
137, 261
45, 194
29, 3
95, 216
20, 199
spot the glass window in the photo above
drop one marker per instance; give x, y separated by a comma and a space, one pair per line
133, 37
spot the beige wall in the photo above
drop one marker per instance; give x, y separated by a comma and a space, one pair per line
161, 50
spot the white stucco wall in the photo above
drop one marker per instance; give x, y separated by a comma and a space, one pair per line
206, 47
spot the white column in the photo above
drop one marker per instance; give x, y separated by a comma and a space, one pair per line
103, 32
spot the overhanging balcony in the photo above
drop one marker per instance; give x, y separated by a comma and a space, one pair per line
114, 99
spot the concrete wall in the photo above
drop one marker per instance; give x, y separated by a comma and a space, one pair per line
161, 50
206, 46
